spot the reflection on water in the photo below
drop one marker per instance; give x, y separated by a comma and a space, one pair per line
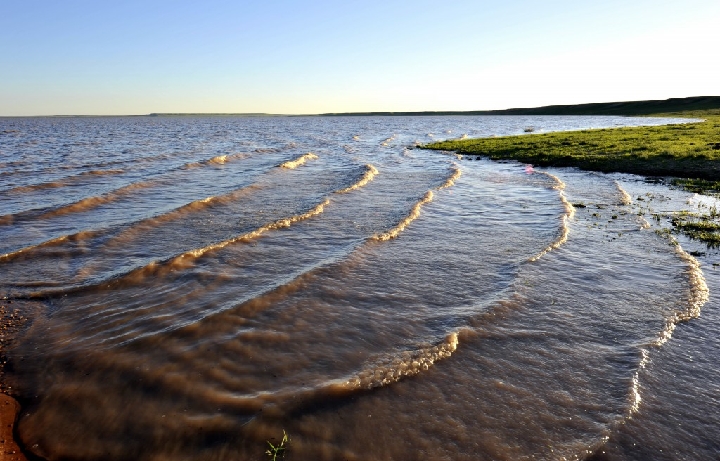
195, 286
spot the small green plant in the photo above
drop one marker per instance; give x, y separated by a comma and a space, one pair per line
278, 450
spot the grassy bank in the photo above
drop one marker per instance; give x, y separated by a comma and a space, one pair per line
689, 150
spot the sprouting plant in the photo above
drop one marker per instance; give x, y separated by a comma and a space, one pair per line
278, 450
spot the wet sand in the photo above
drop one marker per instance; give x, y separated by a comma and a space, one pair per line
9, 409
10, 322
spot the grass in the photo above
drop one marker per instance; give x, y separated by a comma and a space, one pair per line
690, 152
278, 450
698, 186
701, 227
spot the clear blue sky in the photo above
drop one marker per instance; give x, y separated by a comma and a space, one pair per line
136, 57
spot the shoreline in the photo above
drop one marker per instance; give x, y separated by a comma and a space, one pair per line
11, 321
686, 150
9, 412
687, 154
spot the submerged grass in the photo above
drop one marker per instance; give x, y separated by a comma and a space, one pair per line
699, 186
701, 227
690, 152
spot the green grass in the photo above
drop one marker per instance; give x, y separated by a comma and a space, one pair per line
699, 186
277, 450
701, 227
689, 150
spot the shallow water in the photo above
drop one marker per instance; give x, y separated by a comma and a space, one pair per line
195, 286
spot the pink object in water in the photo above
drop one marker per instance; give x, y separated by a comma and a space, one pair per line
529, 169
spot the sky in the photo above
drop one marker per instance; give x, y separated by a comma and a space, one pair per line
127, 57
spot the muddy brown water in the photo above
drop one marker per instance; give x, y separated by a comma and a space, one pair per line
195, 286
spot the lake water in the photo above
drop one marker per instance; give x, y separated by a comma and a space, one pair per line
191, 287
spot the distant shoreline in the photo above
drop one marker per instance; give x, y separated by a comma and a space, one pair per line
622, 108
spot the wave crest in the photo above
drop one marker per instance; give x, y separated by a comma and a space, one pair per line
292, 164
370, 172
409, 363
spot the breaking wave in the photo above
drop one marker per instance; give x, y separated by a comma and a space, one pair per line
408, 363
292, 164
565, 223
369, 175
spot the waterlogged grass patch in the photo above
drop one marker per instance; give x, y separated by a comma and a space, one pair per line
698, 186
688, 150
701, 227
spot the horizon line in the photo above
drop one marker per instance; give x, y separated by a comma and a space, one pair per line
713, 101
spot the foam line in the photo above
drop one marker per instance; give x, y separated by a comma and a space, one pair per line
91, 202
453, 177
279, 224
292, 164
369, 175
415, 210
565, 223
408, 363
625, 198
77, 237
412, 216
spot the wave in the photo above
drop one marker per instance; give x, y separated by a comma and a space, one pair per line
89, 203
387, 142
128, 234
415, 210
217, 160
625, 198
63, 182
453, 177
292, 164
565, 222
92, 202
279, 224
697, 297
408, 363
192, 207
412, 216
209, 202
260, 301
76, 237
196, 206
369, 175
124, 237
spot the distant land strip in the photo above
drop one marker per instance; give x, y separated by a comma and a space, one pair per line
629, 108
625, 108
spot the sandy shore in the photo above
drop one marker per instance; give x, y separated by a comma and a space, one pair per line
9, 409
10, 322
